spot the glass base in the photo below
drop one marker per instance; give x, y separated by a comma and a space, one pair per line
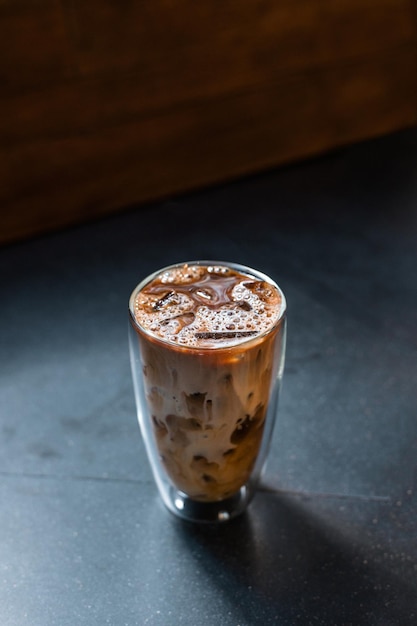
207, 512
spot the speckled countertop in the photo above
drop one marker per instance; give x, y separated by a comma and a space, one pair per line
331, 536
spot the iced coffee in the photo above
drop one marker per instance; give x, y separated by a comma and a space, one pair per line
210, 350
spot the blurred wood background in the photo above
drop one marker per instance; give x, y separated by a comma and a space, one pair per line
105, 104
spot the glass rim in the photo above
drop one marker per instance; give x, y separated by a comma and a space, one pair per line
244, 269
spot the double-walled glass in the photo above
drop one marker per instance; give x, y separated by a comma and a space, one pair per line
207, 414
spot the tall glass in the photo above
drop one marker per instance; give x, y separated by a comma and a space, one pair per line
207, 409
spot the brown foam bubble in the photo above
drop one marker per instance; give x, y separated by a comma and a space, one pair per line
207, 306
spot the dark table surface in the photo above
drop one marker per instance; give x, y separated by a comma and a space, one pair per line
331, 536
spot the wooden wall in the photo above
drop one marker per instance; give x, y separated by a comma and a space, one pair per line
110, 103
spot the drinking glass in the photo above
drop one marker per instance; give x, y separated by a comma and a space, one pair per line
207, 414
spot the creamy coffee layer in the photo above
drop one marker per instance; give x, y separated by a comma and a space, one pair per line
207, 306
208, 406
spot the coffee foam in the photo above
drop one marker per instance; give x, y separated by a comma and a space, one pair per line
207, 306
